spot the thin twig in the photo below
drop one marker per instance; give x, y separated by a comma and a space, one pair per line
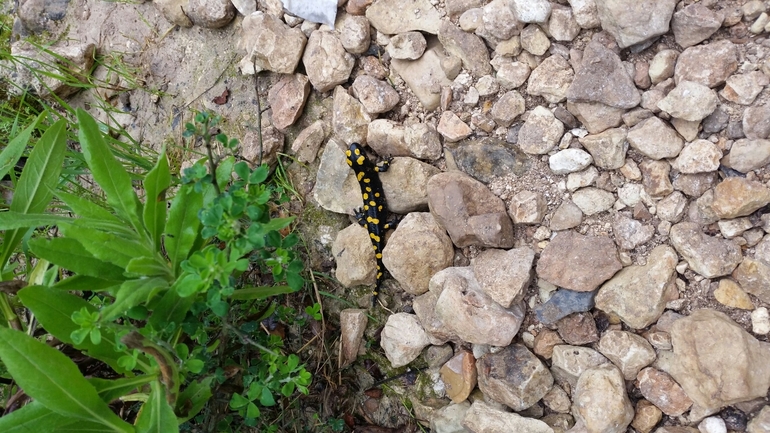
259, 110
245, 339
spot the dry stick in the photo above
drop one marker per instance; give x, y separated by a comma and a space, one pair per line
259, 110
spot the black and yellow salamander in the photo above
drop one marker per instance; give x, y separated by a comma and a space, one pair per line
374, 214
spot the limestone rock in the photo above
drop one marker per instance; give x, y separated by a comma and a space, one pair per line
744, 88
689, 101
706, 255
375, 95
630, 233
309, 140
569, 161
540, 132
504, 274
736, 196
632, 22
709, 65
326, 62
754, 277
593, 200
661, 390
638, 294
732, 367
407, 46
471, 314
460, 376
270, 45
469, 48
551, 79
586, 13
731, 294
655, 139
507, 108
531, 11
694, 24
747, 155
353, 32
287, 99
417, 239
424, 75
352, 327
356, 264
211, 14
349, 118
756, 121
603, 79
514, 376
629, 352
570, 362
578, 262
452, 127
403, 338
607, 148
700, 156
398, 16
601, 402
483, 418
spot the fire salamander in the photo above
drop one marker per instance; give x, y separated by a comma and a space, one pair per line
374, 214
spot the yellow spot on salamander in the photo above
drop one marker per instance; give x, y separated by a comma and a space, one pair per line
366, 207
374, 236
379, 275
372, 203
358, 152
366, 196
374, 247
376, 194
368, 189
347, 152
360, 160
378, 255
350, 163
366, 180
371, 220
379, 208
360, 175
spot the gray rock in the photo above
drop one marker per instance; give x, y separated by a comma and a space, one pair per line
709, 64
507, 108
578, 262
551, 79
662, 66
629, 352
694, 185
754, 277
449, 418
694, 24
563, 303
567, 216
353, 32
210, 14
356, 264
632, 22
671, 208
630, 233
424, 75
540, 132
418, 239
469, 48
483, 418
593, 200
398, 16
471, 314
756, 121
586, 13
716, 121
407, 46
747, 155
700, 156
326, 62
655, 178
689, 101
287, 100
499, 21
603, 79
736, 197
731, 368
376, 96
570, 362
706, 255
600, 401
425, 309
489, 158
562, 25
514, 376
349, 118
269, 45
336, 188
402, 339
531, 11
607, 148
654, 139
569, 161
596, 117
534, 40
744, 88
352, 327
638, 294
504, 274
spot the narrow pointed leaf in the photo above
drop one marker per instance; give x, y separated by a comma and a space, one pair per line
110, 390
108, 172
155, 184
14, 220
71, 255
103, 245
131, 294
37, 182
53, 309
193, 398
172, 308
85, 283
51, 378
261, 292
34, 417
156, 415
183, 223
13, 151
85, 208
148, 267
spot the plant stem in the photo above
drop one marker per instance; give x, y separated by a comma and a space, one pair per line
10, 315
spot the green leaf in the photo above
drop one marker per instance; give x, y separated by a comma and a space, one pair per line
182, 225
252, 411
277, 223
104, 245
266, 399
53, 309
10, 220
148, 267
194, 365
171, 308
156, 415
13, 151
87, 209
260, 292
193, 398
110, 390
37, 182
156, 183
295, 281
259, 174
108, 172
34, 417
131, 294
224, 172
85, 283
71, 255
238, 401
54, 380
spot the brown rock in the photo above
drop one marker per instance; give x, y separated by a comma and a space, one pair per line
504, 274
662, 391
730, 294
578, 329
709, 256
601, 402
514, 376
707, 64
603, 79
545, 341
470, 48
754, 277
459, 376
307, 143
647, 416
737, 196
578, 262
352, 327
655, 178
452, 128
376, 96
287, 99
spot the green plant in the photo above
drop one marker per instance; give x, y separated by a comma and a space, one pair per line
145, 282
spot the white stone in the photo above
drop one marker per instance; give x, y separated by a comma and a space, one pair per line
760, 321
569, 161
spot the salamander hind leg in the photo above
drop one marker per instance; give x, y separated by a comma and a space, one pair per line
392, 223
383, 165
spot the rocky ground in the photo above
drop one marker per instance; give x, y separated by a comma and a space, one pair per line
585, 246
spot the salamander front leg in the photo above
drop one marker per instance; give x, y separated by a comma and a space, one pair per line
383, 165
360, 216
